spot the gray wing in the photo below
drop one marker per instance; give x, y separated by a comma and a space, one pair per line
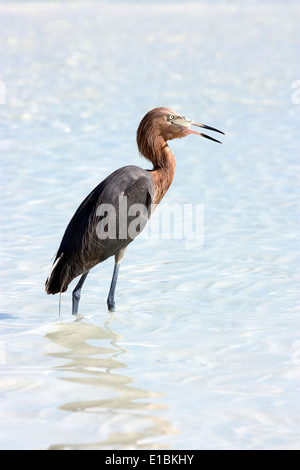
110, 217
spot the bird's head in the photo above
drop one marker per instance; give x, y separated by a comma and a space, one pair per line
166, 124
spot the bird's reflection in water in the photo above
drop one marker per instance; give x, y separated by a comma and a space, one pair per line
95, 365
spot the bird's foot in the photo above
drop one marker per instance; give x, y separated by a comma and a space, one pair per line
111, 305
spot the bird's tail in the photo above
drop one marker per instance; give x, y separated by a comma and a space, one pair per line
53, 283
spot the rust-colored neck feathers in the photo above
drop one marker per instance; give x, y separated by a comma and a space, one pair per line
153, 146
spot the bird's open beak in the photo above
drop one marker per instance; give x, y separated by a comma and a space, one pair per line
187, 123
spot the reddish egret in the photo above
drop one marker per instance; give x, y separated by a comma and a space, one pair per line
83, 245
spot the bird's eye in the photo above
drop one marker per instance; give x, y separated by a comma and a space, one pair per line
171, 117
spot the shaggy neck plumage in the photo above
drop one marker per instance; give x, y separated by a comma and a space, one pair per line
154, 148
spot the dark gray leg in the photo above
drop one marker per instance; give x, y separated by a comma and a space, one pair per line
111, 295
76, 294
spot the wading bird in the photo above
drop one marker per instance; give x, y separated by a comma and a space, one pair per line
87, 240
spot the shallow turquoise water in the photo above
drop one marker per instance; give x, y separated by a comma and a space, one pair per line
203, 350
